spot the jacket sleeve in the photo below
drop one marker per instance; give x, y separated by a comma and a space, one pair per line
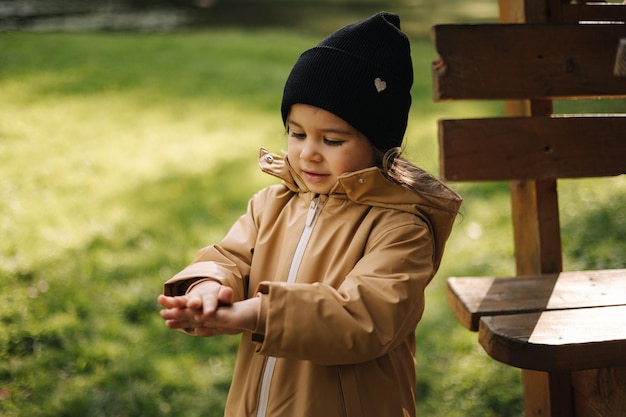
227, 262
375, 309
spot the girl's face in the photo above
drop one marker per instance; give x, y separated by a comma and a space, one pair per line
322, 146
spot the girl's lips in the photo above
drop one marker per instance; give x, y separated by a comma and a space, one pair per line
313, 176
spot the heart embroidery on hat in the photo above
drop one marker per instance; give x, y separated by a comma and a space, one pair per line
380, 84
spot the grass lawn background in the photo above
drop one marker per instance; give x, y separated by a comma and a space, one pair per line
122, 154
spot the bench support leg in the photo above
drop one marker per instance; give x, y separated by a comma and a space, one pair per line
537, 242
547, 394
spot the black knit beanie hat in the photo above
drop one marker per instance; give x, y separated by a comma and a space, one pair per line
363, 74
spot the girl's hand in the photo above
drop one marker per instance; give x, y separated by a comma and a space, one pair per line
205, 298
208, 310
236, 318
188, 311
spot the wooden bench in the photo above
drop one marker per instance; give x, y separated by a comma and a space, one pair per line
551, 322
565, 330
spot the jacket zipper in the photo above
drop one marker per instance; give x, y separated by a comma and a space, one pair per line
270, 364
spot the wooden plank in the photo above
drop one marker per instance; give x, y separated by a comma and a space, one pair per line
555, 10
464, 297
514, 61
557, 340
472, 298
496, 149
597, 12
600, 392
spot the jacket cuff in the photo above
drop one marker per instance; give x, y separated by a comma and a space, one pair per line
196, 283
181, 287
258, 335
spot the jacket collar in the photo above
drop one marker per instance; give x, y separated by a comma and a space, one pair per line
370, 187
356, 186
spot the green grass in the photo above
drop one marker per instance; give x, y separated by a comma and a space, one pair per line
122, 154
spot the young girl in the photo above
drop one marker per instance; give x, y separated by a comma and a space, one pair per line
324, 275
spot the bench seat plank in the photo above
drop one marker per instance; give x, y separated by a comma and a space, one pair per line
472, 298
558, 340
499, 149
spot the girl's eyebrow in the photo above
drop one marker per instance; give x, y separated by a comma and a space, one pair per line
337, 130
292, 122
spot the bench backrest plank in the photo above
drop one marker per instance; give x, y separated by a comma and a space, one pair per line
534, 61
608, 12
497, 149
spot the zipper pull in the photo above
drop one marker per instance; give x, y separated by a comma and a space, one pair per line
313, 210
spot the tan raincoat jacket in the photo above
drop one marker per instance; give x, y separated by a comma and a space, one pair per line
342, 279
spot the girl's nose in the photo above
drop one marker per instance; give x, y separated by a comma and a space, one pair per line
309, 151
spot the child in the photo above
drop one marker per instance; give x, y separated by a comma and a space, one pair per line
324, 275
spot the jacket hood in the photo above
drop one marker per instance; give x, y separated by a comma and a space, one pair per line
438, 206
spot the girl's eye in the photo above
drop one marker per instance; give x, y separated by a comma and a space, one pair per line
331, 142
297, 135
